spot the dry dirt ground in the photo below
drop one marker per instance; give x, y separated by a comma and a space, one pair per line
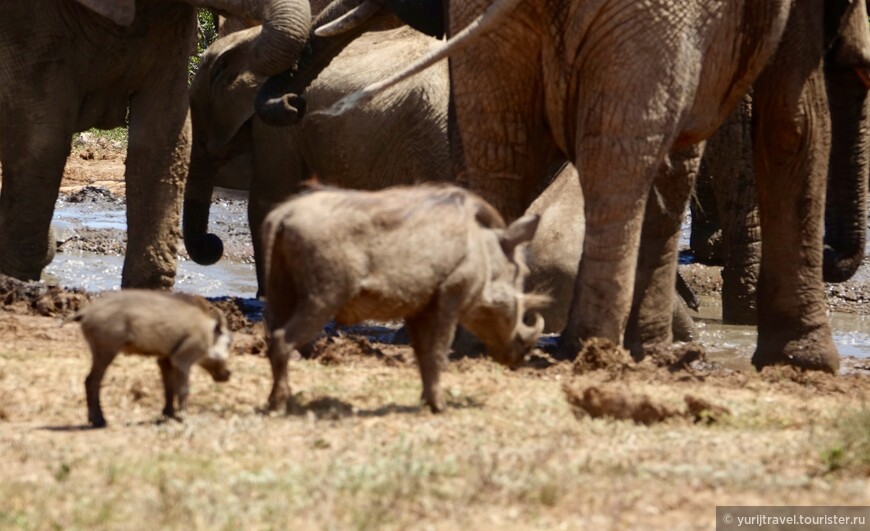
600, 443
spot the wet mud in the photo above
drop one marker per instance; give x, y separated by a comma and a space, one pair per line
90, 224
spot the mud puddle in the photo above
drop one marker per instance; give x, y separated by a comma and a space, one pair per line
90, 226
98, 272
734, 345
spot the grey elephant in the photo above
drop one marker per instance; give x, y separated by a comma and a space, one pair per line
626, 90
71, 65
725, 217
398, 138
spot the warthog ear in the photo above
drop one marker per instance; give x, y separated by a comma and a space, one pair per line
520, 231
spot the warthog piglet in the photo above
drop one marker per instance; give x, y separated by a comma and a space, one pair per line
435, 255
178, 329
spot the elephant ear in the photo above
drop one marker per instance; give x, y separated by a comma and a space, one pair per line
223, 91
120, 12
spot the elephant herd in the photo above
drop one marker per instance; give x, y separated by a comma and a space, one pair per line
602, 105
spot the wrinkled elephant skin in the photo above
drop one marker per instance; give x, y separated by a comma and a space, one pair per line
553, 66
617, 125
398, 138
56, 78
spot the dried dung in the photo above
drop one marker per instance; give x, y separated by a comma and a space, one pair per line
678, 357
236, 319
37, 298
597, 354
704, 411
602, 402
334, 350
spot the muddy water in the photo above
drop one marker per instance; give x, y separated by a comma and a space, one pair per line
234, 275
735, 344
97, 271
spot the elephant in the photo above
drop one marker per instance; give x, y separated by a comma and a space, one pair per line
72, 65
398, 138
725, 223
627, 91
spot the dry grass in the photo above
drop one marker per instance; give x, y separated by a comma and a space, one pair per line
358, 451
850, 450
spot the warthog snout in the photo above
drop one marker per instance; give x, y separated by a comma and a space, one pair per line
216, 368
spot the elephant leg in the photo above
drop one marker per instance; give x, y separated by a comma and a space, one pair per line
728, 161
34, 145
791, 141
650, 321
705, 237
684, 328
279, 169
157, 162
500, 145
846, 208
615, 200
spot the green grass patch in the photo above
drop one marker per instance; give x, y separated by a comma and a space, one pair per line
101, 137
851, 449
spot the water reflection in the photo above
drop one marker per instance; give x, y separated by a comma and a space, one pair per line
733, 342
99, 272
96, 272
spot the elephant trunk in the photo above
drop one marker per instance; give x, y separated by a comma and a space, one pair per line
846, 201
277, 111
204, 248
278, 101
286, 24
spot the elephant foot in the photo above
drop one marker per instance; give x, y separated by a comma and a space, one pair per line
143, 273
26, 268
811, 351
25, 275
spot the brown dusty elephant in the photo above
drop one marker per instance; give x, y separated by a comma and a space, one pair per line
725, 222
398, 138
70, 65
626, 90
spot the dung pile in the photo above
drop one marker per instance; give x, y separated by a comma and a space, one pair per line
604, 374
341, 349
37, 298
93, 194
603, 355
619, 403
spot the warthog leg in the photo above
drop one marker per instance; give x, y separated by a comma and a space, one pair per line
101, 361
299, 330
431, 334
166, 373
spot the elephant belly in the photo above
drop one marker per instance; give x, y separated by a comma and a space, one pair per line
103, 110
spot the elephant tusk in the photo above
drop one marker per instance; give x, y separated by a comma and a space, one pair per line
349, 20
487, 21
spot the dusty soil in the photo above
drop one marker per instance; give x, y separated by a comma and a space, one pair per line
623, 445
604, 442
